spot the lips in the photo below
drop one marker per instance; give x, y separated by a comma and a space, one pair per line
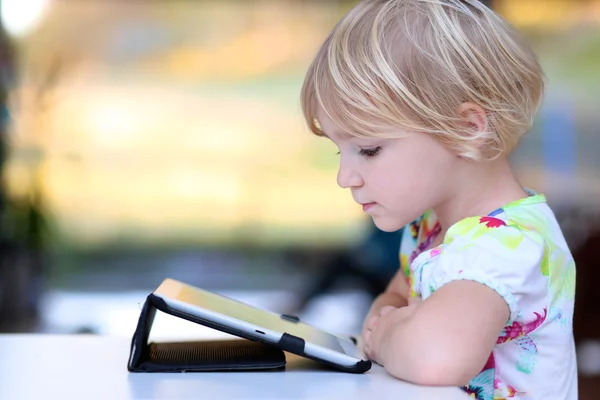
367, 206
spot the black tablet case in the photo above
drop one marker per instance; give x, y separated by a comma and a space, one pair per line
203, 356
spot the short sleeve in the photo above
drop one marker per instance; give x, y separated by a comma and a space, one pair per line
505, 258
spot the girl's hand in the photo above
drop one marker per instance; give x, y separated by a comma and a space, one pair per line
386, 299
378, 328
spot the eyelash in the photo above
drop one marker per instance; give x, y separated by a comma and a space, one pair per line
370, 152
367, 152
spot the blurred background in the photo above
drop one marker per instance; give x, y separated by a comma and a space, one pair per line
150, 139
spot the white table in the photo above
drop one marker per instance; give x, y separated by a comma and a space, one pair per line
94, 367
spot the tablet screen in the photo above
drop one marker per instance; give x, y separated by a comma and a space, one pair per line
246, 313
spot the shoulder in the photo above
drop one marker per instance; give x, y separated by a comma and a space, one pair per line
493, 233
508, 258
495, 246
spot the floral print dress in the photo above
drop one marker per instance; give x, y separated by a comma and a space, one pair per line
518, 251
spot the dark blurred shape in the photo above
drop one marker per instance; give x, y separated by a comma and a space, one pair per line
23, 262
372, 264
587, 298
86, 330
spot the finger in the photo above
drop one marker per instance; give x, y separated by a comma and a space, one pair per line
372, 355
367, 337
367, 351
363, 351
373, 322
414, 300
368, 320
367, 329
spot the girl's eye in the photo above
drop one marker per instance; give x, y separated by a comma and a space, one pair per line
370, 152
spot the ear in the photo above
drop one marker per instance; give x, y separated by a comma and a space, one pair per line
475, 118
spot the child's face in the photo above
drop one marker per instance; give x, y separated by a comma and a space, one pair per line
395, 180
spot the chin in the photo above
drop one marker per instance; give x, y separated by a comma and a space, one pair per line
387, 225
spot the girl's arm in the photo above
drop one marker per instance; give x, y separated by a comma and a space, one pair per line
396, 293
444, 340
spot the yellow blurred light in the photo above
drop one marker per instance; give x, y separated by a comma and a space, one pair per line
112, 124
540, 13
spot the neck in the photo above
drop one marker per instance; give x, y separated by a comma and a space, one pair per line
478, 189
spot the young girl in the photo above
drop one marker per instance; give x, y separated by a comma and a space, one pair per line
425, 100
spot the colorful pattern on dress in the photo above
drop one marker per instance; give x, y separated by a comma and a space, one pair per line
520, 252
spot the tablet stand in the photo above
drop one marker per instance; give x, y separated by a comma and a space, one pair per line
200, 356
236, 355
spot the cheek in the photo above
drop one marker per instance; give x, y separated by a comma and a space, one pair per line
401, 184
432, 164
413, 183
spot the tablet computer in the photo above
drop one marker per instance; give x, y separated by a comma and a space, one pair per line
240, 319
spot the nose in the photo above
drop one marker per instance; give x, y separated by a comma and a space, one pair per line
348, 177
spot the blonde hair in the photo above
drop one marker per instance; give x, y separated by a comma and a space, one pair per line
411, 63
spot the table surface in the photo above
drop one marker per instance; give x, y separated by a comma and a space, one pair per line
95, 367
